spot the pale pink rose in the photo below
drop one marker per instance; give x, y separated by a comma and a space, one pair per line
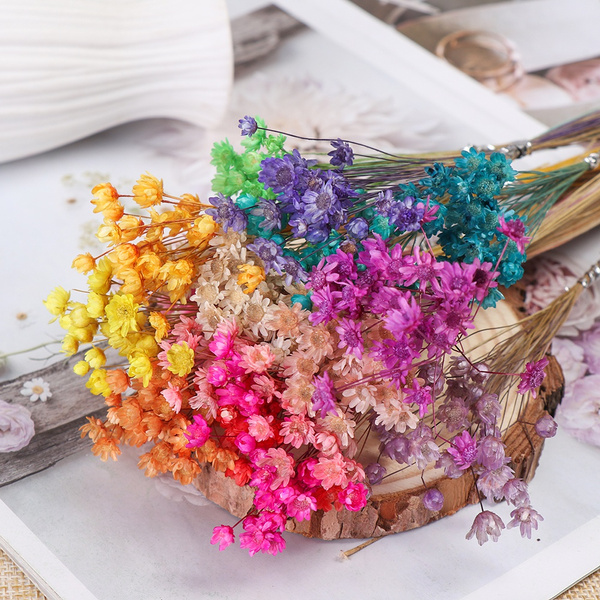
16, 427
570, 357
548, 281
590, 342
579, 412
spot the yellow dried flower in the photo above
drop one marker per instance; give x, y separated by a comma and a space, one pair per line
95, 357
148, 191
99, 281
181, 359
251, 276
178, 276
95, 305
97, 383
203, 230
121, 313
84, 334
57, 301
84, 263
140, 366
70, 345
79, 316
81, 368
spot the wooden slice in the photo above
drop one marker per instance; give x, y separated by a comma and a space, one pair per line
397, 505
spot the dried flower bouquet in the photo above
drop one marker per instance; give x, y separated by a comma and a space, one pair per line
307, 338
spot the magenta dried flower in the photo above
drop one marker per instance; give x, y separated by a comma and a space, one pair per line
463, 450
532, 377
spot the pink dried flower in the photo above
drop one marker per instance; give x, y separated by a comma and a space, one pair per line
514, 230
301, 507
197, 432
571, 357
486, 525
526, 518
172, 395
354, 496
257, 358
590, 343
222, 535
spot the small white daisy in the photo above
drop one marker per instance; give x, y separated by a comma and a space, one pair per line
36, 389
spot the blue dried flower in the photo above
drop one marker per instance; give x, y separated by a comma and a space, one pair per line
358, 228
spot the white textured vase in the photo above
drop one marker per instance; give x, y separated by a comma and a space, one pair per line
71, 68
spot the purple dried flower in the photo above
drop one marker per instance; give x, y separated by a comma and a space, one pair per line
515, 492
227, 213
358, 228
546, 426
487, 409
406, 214
526, 518
490, 452
492, 481
270, 212
323, 398
321, 204
270, 253
279, 174
294, 272
375, 473
433, 500
248, 125
384, 202
398, 447
486, 525
341, 155
453, 413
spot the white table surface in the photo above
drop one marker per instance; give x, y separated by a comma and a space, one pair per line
111, 528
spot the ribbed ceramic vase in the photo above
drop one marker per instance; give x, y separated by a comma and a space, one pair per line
71, 68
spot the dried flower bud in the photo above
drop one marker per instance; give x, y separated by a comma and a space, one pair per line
546, 427
433, 500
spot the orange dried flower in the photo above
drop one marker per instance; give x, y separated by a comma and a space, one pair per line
84, 263
106, 448
117, 380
